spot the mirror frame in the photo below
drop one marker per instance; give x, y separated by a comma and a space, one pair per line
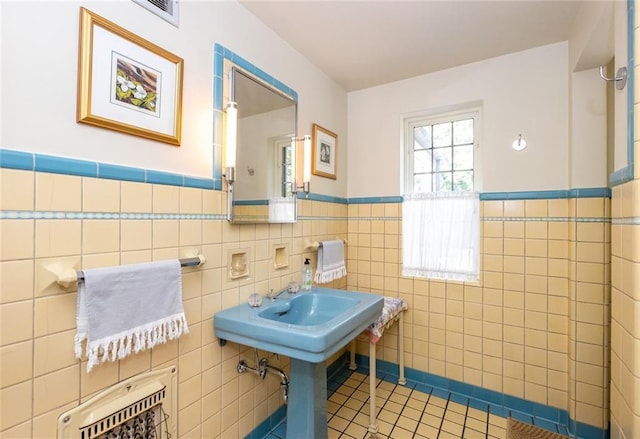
220, 54
627, 173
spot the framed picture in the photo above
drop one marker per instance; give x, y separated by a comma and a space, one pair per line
126, 83
325, 144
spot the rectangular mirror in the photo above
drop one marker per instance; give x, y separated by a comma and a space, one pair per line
265, 168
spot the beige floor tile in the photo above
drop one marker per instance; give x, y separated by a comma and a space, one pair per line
347, 413
477, 414
356, 430
411, 413
388, 416
454, 417
476, 424
452, 427
435, 410
338, 423
456, 407
427, 431
393, 407
470, 433
407, 423
431, 420
437, 401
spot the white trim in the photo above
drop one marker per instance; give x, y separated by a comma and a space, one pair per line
433, 116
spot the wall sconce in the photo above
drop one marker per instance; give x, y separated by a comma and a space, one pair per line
230, 153
306, 164
519, 144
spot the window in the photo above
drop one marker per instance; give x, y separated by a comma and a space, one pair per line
440, 210
440, 152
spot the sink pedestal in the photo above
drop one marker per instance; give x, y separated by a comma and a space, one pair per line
307, 406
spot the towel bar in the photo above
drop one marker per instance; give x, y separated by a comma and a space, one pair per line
315, 245
70, 276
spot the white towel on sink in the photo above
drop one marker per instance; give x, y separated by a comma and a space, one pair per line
127, 309
331, 264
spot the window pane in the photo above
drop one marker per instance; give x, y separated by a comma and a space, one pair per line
422, 161
463, 181
463, 132
422, 183
422, 137
463, 157
442, 159
442, 181
442, 134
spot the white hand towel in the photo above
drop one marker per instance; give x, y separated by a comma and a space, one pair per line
331, 264
128, 308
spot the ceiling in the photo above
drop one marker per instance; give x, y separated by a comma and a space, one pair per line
361, 44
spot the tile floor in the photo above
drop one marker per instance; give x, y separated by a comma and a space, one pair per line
412, 411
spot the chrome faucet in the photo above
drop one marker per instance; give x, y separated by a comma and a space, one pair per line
292, 288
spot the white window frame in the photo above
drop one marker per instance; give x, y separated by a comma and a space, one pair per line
435, 116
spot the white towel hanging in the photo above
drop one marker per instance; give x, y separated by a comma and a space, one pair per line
331, 265
128, 309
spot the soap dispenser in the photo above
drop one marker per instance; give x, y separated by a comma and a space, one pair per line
306, 275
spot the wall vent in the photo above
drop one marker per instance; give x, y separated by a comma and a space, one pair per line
165, 9
144, 404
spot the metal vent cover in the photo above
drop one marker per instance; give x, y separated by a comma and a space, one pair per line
165, 9
121, 402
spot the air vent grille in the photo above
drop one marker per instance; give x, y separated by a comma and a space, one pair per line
165, 9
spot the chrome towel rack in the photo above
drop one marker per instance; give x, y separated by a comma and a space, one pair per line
66, 278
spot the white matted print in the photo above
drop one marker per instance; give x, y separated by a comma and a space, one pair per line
325, 144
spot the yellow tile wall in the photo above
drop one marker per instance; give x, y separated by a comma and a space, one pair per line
37, 317
534, 327
625, 334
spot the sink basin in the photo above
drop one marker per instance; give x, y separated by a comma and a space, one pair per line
309, 326
309, 309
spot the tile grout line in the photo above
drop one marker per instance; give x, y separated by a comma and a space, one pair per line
423, 409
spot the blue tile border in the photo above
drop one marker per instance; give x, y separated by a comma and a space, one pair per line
16, 160
318, 197
268, 424
627, 173
60, 165
220, 53
547, 195
519, 408
374, 200
603, 192
251, 202
124, 173
622, 175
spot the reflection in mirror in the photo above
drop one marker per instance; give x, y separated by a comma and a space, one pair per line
264, 160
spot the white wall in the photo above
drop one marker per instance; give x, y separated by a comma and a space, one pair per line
39, 74
524, 92
256, 144
588, 130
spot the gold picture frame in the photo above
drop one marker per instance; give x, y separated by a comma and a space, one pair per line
325, 148
126, 83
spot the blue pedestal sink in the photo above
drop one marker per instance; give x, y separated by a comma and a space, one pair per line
308, 327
